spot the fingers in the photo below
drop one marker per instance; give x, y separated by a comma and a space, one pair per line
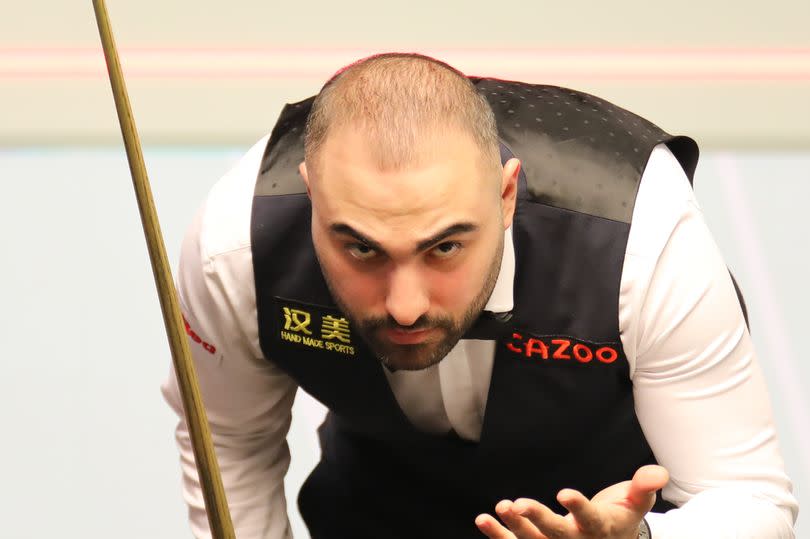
584, 512
521, 526
492, 528
646, 481
530, 519
549, 524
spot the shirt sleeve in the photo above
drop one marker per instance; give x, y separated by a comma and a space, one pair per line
247, 399
700, 396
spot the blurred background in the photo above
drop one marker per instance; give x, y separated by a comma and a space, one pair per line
87, 443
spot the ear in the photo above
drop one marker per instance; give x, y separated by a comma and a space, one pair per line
302, 170
509, 182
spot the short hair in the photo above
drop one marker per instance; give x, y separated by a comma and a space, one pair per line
399, 100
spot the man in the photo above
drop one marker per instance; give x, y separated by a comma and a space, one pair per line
523, 319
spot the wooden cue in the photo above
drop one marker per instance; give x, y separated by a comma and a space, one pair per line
219, 518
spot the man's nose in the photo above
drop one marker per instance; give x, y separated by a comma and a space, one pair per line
407, 298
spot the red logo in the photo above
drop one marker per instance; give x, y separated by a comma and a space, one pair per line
564, 348
210, 348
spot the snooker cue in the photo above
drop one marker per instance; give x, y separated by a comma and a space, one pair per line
219, 518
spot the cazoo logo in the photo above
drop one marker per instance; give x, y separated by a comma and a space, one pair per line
562, 348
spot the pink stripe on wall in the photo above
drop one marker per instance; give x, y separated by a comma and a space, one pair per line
788, 65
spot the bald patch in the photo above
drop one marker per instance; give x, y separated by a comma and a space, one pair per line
405, 105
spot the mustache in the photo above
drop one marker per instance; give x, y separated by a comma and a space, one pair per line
423, 322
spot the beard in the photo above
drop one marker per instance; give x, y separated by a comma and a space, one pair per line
425, 354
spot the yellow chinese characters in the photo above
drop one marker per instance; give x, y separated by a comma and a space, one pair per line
335, 328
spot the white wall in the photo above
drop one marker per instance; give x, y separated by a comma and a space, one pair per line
87, 448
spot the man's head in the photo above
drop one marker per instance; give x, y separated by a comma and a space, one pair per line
409, 202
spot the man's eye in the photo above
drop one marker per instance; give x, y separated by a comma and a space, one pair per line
361, 251
446, 249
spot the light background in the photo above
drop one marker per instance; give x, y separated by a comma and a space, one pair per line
87, 448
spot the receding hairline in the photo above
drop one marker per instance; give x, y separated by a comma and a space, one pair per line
399, 100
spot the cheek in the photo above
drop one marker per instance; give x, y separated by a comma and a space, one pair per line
453, 291
360, 291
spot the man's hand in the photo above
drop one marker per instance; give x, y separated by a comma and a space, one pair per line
614, 513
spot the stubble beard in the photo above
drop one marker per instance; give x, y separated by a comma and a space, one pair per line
421, 355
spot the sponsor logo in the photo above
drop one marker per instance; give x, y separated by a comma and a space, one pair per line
331, 334
562, 348
297, 320
210, 348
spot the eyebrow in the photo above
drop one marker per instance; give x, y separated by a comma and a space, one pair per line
458, 228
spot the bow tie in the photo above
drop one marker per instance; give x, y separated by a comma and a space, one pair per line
490, 326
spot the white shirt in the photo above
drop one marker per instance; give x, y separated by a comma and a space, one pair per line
699, 394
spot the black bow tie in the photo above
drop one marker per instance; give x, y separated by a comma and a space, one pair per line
490, 326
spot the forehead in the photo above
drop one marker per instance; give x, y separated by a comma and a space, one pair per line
443, 181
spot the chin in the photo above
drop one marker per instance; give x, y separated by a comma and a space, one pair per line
408, 360
413, 357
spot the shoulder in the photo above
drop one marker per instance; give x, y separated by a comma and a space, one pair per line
215, 271
224, 221
666, 219
665, 197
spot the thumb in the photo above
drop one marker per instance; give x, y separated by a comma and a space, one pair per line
646, 481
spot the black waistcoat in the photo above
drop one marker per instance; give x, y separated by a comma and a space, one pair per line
560, 407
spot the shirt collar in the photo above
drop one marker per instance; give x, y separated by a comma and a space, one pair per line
501, 300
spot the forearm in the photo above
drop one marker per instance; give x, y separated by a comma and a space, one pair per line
248, 412
252, 469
